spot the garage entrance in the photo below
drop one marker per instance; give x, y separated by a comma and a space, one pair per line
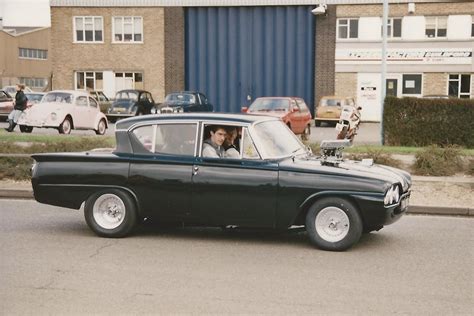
236, 54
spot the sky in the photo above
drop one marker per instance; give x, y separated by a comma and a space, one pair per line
25, 12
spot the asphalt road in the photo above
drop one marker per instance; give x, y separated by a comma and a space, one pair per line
51, 263
369, 133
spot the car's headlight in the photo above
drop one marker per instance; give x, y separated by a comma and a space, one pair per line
53, 116
392, 196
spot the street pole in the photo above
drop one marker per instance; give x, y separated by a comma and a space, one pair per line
383, 91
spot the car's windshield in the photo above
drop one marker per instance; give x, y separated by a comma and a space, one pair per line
266, 105
62, 97
34, 97
127, 95
187, 98
330, 102
277, 140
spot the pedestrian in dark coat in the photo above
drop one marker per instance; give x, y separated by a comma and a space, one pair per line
20, 105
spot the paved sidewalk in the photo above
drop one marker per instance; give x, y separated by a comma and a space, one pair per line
430, 195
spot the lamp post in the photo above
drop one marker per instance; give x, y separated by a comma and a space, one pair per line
383, 91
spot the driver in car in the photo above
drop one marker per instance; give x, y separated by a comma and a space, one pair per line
212, 146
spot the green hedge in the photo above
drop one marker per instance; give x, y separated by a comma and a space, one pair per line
424, 122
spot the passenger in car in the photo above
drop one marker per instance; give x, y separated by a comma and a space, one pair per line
229, 143
212, 146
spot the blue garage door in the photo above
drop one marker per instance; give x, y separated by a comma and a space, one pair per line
236, 54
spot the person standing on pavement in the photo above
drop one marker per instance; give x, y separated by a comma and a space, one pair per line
19, 106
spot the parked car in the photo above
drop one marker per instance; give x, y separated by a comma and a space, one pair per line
104, 101
291, 110
64, 110
129, 103
6, 104
34, 97
329, 109
185, 101
158, 171
11, 90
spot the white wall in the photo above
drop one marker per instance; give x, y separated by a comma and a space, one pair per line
413, 28
109, 84
370, 28
459, 27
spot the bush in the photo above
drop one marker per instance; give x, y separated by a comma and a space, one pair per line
15, 168
424, 122
378, 156
437, 161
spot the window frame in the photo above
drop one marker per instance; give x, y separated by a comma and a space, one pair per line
348, 25
436, 27
391, 28
403, 84
122, 41
84, 41
94, 78
461, 95
24, 53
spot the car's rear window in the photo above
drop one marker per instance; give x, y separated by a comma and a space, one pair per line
58, 97
331, 102
269, 105
127, 95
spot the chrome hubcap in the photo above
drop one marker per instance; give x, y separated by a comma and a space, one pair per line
101, 127
109, 211
332, 224
66, 127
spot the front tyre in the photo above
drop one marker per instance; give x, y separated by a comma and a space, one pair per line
111, 213
66, 126
333, 224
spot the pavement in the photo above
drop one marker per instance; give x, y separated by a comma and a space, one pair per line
451, 196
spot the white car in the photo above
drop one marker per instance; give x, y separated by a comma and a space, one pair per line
65, 110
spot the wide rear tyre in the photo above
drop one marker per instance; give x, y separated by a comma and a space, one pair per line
26, 129
111, 213
333, 224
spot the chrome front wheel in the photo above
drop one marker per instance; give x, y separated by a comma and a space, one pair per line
332, 224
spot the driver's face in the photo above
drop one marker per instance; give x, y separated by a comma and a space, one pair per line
218, 136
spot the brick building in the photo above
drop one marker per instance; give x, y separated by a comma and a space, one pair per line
235, 51
429, 50
24, 56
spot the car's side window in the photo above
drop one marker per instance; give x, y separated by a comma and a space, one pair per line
303, 106
176, 139
145, 136
150, 98
221, 141
203, 98
93, 102
143, 97
81, 101
3, 97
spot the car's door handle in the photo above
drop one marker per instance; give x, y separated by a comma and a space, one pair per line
195, 170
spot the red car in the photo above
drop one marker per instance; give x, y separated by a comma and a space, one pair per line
291, 110
6, 104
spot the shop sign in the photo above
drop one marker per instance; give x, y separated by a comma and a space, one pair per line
405, 56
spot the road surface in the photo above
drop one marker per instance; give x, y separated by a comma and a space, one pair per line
51, 263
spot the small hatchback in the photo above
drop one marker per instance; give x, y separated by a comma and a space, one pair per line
329, 109
291, 110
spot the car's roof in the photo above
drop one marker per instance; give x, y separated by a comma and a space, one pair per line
218, 117
175, 92
284, 98
36, 92
74, 92
134, 90
335, 97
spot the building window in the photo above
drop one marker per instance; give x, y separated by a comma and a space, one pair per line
88, 29
128, 80
436, 26
127, 29
459, 86
411, 84
35, 83
89, 80
347, 28
394, 28
32, 53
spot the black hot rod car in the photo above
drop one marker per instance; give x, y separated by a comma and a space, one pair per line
160, 170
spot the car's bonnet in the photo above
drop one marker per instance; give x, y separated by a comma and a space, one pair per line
349, 168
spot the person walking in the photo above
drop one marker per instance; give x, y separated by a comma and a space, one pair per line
20, 105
